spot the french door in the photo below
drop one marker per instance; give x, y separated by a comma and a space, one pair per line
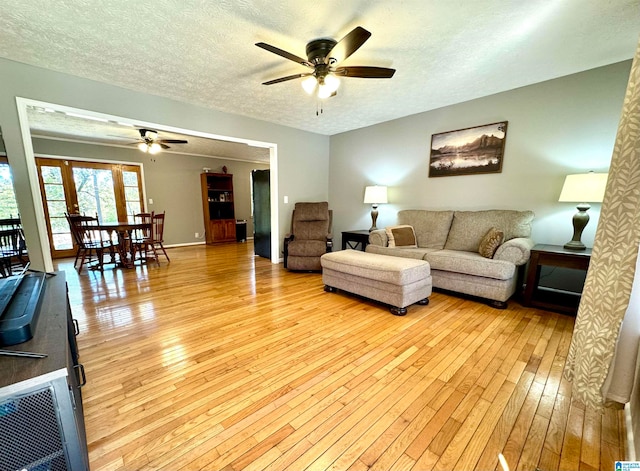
113, 192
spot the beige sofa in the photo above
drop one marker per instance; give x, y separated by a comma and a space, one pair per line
449, 241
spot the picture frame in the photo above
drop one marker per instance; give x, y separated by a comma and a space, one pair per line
468, 151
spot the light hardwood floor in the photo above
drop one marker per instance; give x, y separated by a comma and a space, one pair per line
223, 361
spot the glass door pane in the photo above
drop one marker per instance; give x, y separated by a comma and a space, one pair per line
132, 192
55, 205
96, 193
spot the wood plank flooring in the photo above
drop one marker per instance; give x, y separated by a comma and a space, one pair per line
223, 361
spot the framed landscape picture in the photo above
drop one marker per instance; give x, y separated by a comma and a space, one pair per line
468, 151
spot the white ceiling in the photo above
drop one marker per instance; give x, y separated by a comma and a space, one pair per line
202, 52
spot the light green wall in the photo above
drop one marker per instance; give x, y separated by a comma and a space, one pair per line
172, 181
557, 127
302, 170
562, 126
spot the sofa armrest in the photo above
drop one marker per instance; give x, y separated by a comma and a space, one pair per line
379, 237
516, 250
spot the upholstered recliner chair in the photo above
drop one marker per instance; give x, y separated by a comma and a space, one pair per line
310, 236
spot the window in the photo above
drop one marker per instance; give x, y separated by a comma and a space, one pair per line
8, 203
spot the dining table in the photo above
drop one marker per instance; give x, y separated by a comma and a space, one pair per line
125, 232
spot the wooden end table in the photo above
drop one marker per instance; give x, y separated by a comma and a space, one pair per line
356, 240
555, 256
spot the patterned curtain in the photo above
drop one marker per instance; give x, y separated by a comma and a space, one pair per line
612, 269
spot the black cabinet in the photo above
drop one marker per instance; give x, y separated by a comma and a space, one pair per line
41, 416
553, 256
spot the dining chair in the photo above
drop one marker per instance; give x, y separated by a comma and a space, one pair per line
15, 223
154, 243
141, 236
11, 251
10, 223
90, 240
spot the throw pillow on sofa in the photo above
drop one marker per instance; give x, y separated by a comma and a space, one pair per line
401, 236
490, 242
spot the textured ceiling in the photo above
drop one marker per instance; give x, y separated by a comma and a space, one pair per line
60, 126
203, 52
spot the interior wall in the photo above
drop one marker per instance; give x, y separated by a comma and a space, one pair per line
302, 171
562, 126
172, 182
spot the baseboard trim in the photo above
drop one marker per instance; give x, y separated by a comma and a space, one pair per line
187, 244
183, 245
629, 443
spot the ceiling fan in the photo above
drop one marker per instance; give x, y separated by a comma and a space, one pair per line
323, 56
150, 143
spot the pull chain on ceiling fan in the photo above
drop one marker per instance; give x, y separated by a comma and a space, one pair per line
323, 55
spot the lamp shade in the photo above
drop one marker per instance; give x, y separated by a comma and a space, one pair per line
584, 188
375, 194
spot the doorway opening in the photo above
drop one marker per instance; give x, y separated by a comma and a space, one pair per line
261, 212
23, 105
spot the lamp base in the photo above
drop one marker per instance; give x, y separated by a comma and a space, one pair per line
575, 245
374, 218
580, 220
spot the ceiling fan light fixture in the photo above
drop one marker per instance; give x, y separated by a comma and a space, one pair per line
323, 92
143, 147
309, 84
332, 83
154, 148
327, 86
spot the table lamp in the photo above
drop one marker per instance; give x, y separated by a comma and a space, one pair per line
583, 188
375, 195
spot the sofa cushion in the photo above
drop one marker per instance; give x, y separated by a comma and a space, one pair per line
470, 263
431, 227
469, 227
490, 242
405, 252
401, 236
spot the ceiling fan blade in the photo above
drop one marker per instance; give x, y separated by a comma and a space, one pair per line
347, 45
172, 141
285, 54
164, 146
365, 72
284, 79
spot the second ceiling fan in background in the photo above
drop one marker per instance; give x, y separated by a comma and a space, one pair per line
150, 143
324, 56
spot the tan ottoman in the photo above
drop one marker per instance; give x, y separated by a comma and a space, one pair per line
395, 281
